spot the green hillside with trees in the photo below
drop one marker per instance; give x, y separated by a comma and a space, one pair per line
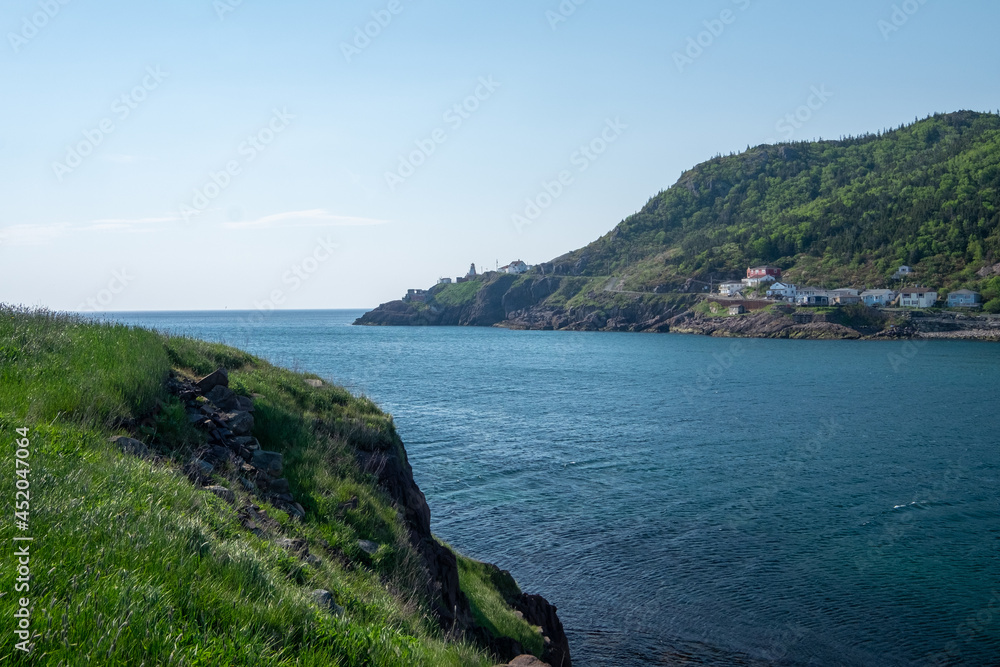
830, 213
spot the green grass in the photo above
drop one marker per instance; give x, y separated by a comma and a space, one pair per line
487, 587
132, 565
705, 306
456, 294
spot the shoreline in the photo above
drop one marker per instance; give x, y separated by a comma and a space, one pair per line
772, 321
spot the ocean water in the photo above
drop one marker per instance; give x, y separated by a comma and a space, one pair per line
694, 501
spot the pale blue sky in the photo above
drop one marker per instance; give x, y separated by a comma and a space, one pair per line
109, 227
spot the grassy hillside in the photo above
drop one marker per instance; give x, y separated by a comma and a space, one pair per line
831, 213
133, 564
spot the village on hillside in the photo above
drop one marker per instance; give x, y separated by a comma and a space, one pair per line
779, 291
764, 285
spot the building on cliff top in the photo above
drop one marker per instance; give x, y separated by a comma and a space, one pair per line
515, 267
415, 295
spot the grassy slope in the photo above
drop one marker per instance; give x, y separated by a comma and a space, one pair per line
131, 564
486, 587
456, 294
833, 212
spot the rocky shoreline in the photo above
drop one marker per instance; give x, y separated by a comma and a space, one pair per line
526, 310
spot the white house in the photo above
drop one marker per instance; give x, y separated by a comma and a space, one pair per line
917, 297
878, 297
759, 280
731, 289
903, 271
444, 281
515, 267
784, 291
963, 298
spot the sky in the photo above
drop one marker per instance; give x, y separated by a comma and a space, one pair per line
246, 154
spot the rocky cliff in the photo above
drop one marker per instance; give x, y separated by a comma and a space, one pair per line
226, 419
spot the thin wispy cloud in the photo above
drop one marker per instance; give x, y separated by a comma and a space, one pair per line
124, 224
312, 218
20, 235
17, 235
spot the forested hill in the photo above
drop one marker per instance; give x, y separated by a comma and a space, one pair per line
830, 212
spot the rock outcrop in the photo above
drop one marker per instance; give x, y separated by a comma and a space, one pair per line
538, 611
227, 421
395, 476
525, 661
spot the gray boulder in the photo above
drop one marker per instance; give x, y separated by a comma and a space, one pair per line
240, 423
222, 492
368, 546
131, 446
271, 463
223, 397
527, 661
296, 545
216, 379
324, 599
246, 441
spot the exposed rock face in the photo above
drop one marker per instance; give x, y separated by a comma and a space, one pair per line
988, 271
396, 476
509, 301
759, 325
527, 294
488, 308
538, 611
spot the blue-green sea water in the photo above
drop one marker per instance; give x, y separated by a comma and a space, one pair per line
694, 501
